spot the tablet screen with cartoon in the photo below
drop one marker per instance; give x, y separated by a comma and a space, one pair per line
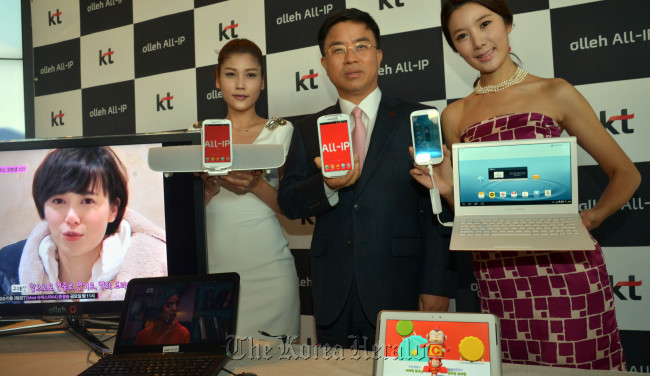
436, 347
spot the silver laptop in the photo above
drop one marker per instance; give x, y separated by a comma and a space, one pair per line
517, 195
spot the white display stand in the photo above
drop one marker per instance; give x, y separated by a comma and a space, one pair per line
187, 158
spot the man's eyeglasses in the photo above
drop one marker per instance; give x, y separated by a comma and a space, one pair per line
359, 49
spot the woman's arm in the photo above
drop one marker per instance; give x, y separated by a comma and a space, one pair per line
450, 120
251, 181
211, 187
578, 118
268, 194
241, 182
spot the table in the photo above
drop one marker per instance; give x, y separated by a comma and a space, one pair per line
52, 353
62, 354
274, 359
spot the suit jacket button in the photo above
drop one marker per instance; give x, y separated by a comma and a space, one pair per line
357, 207
348, 243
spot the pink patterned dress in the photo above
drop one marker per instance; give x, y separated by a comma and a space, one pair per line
555, 308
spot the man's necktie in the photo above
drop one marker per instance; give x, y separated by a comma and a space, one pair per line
359, 135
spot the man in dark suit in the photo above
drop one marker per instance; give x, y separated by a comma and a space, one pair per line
376, 245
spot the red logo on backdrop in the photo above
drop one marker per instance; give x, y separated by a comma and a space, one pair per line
631, 285
225, 30
106, 58
54, 18
614, 128
165, 103
57, 120
300, 80
636, 283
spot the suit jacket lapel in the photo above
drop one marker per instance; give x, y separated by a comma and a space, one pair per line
385, 127
335, 109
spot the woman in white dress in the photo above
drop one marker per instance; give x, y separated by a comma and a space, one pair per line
243, 233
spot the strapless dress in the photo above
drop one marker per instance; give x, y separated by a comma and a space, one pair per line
555, 308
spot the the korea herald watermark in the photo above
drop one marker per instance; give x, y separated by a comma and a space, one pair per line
240, 348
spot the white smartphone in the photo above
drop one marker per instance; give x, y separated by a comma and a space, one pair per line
216, 140
335, 145
427, 136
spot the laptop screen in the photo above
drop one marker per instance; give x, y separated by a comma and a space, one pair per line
178, 314
515, 174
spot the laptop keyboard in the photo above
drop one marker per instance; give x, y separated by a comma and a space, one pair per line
184, 365
530, 226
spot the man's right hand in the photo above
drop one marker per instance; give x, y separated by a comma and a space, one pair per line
344, 181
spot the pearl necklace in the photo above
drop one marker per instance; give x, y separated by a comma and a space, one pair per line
516, 78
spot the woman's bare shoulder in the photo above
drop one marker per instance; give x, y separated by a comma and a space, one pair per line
553, 86
453, 110
451, 119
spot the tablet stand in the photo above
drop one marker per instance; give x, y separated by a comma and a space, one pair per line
187, 158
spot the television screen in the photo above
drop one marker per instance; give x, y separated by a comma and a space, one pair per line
69, 244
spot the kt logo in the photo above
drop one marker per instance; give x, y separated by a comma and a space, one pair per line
623, 117
386, 4
223, 31
106, 58
164, 104
54, 19
57, 120
631, 284
300, 81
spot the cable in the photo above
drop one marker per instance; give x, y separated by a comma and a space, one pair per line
283, 337
236, 374
436, 206
96, 351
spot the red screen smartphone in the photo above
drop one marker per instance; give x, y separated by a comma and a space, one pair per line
216, 136
335, 145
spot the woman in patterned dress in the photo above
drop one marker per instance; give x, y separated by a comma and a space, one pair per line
555, 308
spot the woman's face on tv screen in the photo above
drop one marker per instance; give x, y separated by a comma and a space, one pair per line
78, 222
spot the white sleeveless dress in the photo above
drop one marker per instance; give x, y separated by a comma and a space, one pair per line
244, 236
